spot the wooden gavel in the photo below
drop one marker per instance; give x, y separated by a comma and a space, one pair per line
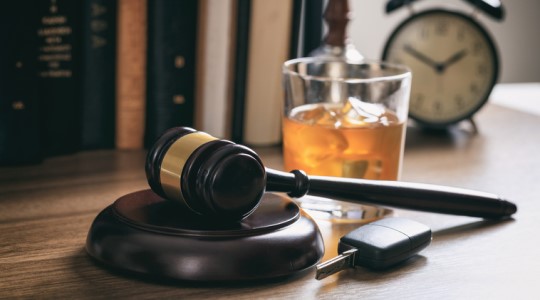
220, 179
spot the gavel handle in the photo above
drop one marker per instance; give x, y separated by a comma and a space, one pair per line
415, 196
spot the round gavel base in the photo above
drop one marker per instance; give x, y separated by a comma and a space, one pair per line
143, 233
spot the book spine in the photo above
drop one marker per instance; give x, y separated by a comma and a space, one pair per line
243, 22
99, 73
20, 141
313, 25
172, 43
214, 63
131, 74
269, 42
296, 29
59, 71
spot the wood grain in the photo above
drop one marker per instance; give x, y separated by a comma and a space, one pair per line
46, 211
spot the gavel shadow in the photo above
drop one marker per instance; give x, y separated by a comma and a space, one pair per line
453, 137
473, 228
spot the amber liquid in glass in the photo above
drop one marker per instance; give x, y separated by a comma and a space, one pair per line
359, 140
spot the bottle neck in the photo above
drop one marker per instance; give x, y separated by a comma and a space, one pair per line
336, 16
348, 52
336, 43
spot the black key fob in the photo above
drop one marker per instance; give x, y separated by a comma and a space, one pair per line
386, 242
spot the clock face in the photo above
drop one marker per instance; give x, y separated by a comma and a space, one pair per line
453, 61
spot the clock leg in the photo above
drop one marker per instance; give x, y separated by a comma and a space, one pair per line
468, 125
474, 128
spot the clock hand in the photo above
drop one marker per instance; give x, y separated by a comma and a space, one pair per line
421, 57
454, 58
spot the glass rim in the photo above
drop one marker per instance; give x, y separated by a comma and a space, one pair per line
402, 71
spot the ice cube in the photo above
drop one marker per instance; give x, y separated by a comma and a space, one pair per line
321, 146
357, 112
308, 114
366, 168
331, 116
324, 114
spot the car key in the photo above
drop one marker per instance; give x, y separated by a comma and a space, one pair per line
378, 245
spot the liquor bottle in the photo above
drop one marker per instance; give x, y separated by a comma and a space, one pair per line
336, 43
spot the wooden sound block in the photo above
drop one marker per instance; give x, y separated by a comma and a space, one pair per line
143, 233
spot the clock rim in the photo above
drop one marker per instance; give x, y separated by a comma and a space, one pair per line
491, 46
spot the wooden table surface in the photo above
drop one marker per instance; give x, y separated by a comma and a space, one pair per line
46, 211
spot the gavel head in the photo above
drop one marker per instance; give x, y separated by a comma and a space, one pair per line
211, 177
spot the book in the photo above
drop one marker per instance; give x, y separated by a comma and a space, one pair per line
296, 29
59, 72
130, 74
216, 41
20, 135
313, 26
269, 41
98, 74
172, 43
242, 30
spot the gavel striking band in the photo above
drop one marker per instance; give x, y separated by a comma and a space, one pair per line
214, 178
218, 178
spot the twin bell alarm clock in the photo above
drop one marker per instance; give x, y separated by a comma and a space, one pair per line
453, 59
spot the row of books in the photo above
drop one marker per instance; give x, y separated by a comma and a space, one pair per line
102, 74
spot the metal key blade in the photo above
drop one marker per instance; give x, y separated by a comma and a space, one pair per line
341, 262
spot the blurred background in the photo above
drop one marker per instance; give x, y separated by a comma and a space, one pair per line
517, 36
114, 74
